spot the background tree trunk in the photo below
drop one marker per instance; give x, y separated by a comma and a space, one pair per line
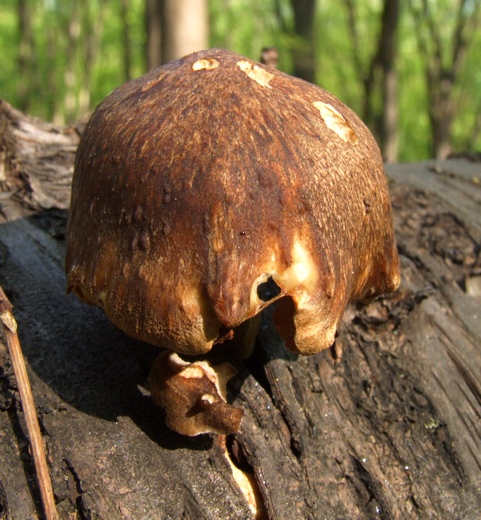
93, 18
387, 50
127, 60
185, 27
379, 76
53, 99
73, 31
26, 56
153, 24
303, 52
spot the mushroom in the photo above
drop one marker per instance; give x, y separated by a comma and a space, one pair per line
193, 395
213, 186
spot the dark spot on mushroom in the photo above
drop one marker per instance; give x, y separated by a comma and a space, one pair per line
116, 160
268, 290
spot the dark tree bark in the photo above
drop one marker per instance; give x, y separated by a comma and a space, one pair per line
387, 61
303, 52
153, 27
91, 33
385, 424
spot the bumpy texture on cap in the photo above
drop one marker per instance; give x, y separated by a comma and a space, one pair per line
212, 175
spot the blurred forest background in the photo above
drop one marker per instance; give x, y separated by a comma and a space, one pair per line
411, 69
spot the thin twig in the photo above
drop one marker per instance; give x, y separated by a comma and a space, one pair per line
28, 406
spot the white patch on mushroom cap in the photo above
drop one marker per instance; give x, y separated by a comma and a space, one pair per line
302, 273
258, 74
336, 122
205, 64
303, 269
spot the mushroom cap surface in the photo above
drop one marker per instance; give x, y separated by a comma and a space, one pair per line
212, 175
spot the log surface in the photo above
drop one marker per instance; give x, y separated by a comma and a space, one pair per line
386, 424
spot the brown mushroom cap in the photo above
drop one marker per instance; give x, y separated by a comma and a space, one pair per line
212, 175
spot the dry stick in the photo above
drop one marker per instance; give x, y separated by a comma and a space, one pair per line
28, 405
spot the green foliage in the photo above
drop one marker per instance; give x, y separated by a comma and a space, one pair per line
75, 55
467, 126
8, 50
413, 103
68, 69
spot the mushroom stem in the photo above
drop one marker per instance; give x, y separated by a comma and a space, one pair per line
193, 395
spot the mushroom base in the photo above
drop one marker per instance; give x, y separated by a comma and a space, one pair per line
193, 395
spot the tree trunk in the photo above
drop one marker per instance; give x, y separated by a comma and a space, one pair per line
154, 33
475, 133
389, 132
383, 425
91, 34
26, 56
127, 51
185, 27
379, 77
73, 31
303, 53
53, 98
441, 112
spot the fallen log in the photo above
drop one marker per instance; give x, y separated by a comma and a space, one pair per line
385, 424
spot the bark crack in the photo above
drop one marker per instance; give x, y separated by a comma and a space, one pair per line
76, 490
